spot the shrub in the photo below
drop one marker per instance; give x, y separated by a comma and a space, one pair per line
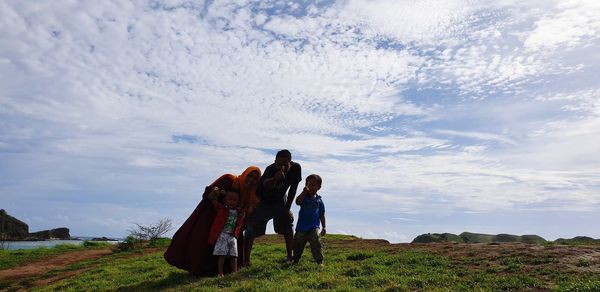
160, 242
129, 244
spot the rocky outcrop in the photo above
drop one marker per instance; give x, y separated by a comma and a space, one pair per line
58, 233
469, 237
578, 240
103, 238
437, 237
12, 228
532, 239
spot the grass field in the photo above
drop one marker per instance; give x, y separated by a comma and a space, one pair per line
351, 264
13, 258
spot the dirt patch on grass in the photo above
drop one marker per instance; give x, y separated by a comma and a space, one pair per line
32, 274
55, 262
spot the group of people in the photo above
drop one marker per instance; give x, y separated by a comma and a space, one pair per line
235, 210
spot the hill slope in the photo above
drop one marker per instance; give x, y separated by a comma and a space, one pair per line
351, 264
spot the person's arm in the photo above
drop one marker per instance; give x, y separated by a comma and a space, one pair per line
323, 228
214, 196
269, 183
297, 176
223, 182
291, 195
300, 198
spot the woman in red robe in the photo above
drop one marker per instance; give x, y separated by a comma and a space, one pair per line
189, 249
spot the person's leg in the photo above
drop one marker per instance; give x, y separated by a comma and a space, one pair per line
241, 243
289, 245
220, 264
283, 224
299, 244
220, 251
233, 253
316, 247
256, 226
247, 250
233, 263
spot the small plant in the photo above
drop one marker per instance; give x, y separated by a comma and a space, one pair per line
358, 256
89, 243
583, 263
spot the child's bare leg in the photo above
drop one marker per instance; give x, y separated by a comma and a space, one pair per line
233, 263
220, 263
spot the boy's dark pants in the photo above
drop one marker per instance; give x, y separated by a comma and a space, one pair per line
314, 239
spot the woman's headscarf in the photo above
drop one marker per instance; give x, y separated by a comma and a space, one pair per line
248, 196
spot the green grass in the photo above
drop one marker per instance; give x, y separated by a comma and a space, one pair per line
351, 264
12, 258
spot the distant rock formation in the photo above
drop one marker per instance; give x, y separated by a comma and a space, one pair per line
57, 233
12, 228
578, 240
437, 237
103, 238
532, 239
468, 237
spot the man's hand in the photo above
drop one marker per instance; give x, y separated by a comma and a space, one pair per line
291, 215
323, 231
279, 174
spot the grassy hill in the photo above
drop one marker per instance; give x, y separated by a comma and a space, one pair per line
351, 264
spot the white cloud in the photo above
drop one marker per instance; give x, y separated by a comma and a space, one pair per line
476, 135
97, 91
576, 23
406, 21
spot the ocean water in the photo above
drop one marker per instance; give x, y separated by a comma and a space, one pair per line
12, 245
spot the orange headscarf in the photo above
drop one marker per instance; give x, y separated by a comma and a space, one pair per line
248, 196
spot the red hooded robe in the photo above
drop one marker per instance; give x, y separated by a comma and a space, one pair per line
189, 249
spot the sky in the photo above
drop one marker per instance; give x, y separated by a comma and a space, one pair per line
420, 116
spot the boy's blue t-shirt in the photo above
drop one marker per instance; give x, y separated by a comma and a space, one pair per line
310, 212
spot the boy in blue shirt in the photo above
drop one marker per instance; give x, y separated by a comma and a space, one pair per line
312, 211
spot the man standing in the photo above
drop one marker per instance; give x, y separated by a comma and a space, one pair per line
274, 204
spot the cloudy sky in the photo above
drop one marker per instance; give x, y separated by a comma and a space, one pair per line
421, 116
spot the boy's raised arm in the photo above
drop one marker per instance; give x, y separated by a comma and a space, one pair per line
300, 197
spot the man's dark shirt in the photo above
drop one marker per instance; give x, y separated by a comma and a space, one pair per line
278, 192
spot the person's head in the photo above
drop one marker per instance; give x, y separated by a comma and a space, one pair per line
313, 183
250, 177
231, 199
283, 160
